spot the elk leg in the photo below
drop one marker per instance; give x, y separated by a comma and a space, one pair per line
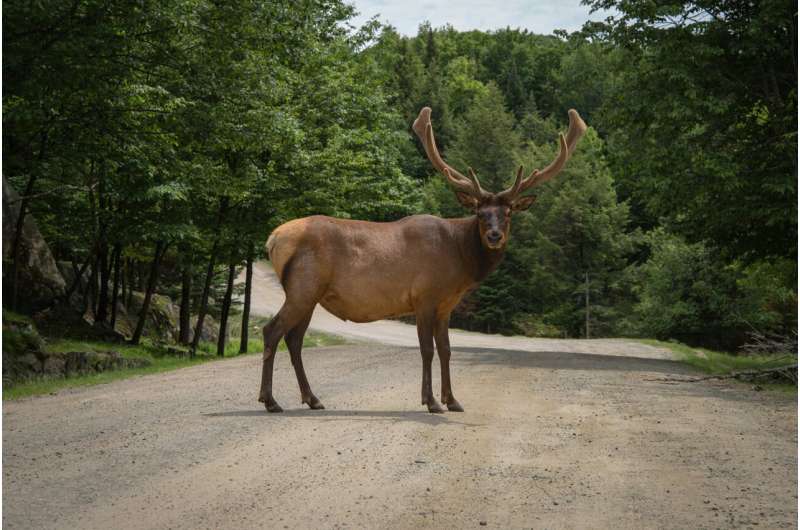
302, 292
270, 346
425, 333
442, 337
294, 341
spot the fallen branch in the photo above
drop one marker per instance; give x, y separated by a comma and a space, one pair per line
788, 372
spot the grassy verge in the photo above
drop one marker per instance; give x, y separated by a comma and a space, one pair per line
720, 363
160, 361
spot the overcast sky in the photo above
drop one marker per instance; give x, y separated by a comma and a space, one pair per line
538, 16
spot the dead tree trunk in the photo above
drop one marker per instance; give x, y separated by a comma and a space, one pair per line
152, 280
248, 288
226, 308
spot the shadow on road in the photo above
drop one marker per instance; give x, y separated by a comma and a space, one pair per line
570, 361
333, 415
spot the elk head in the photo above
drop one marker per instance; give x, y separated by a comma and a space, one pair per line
494, 209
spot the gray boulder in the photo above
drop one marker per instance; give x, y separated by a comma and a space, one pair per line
38, 279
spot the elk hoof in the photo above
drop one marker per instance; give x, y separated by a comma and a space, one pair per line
315, 404
272, 406
455, 406
434, 407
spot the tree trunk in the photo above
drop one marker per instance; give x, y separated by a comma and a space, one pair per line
140, 276
122, 283
186, 305
15, 244
115, 291
226, 307
78, 275
102, 301
201, 311
587, 304
248, 287
131, 279
102, 223
91, 288
152, 280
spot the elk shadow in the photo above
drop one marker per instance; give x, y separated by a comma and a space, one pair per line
569, 361
392, 416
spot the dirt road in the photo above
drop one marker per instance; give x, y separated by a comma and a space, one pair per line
556, 435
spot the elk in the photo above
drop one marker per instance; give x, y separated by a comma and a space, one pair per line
421, 265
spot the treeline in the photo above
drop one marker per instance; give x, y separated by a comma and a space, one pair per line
173, 136
677, 218
167, 138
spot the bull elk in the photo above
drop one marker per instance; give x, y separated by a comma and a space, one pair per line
421, 265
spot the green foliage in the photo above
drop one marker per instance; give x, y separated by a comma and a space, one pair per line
702, 120
160, 361
486, 140
769, 295
684, 292
200, 126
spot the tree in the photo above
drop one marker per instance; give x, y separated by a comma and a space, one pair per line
704, 120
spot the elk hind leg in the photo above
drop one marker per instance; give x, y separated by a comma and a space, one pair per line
271, 339
294, 341
303, 289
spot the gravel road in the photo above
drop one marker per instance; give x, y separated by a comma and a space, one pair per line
556, 434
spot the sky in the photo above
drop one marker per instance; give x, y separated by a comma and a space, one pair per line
537, 16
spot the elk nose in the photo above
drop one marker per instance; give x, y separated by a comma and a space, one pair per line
494, 236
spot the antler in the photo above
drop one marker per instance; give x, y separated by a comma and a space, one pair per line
566, 147
424, 130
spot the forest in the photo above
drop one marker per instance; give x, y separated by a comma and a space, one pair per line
157, 144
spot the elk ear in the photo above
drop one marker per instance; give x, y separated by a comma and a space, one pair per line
467, 200
523, 203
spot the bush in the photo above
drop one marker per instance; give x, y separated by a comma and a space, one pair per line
685, 294
534, 326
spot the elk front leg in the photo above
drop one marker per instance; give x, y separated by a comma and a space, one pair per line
441, 333
425, 333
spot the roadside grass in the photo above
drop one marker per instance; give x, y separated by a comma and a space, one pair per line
161, 361
721, 363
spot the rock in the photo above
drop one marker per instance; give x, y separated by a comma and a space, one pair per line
23, 348
162, 321
25, 356
39, 280
68, 273
54, 366
81, 363
64, 321
210, 332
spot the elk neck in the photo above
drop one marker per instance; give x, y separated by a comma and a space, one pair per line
479, 261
